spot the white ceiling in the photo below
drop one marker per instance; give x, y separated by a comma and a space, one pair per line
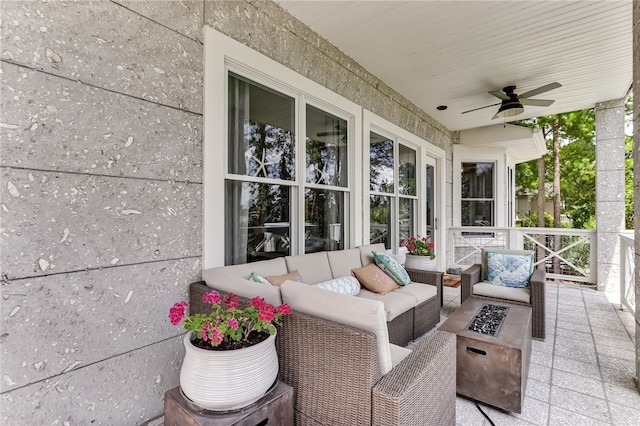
453, 52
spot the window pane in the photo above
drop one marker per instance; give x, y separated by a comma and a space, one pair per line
406, 218
477, 213
381, 163
380, 220
326, 161
477, 180
257, 221
324, 220
407, 171
261, 131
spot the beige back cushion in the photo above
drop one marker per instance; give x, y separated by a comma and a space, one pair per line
313, 267
365, 252
220, 280
343, 261
368, 315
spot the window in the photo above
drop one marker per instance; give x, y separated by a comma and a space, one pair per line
392, 191
262, 185
477, 201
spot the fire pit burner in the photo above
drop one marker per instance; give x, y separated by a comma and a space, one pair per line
488, 320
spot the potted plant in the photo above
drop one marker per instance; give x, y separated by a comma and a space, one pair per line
230, 354
420, 254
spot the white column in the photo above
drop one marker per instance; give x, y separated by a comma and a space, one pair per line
610, 191
636, 167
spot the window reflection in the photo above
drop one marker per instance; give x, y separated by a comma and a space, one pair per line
380, 220
381, 163
259, 227
324, 220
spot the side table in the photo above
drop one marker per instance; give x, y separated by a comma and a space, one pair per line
274, 409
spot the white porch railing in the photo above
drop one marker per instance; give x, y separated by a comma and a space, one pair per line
565, 253
627, 272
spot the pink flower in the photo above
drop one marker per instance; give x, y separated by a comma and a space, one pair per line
424, 239
403, 241
412, 239
232, 323
211, 297
204, 331
284, 309
266, 313
431, 245
410, 247
257, 302
177, 311
216, 336
231, 300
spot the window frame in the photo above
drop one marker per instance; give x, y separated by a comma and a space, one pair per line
224, 55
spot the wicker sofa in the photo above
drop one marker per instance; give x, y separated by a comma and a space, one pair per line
411, 310
334, 351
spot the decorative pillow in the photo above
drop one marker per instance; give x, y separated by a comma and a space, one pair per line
343, 285
374, 279
391, 267
259, 278
277, 280
509, 270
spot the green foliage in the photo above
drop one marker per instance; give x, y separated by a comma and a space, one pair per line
576, 133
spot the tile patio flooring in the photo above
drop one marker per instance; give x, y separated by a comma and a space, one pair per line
582, 374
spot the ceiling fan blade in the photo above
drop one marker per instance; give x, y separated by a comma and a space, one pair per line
537, 102
495, 116
476, 109
541, 89
499, 94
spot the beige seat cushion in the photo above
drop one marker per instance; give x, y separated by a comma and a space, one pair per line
313, 267
395, 303
368, 315
421, 292
502, 292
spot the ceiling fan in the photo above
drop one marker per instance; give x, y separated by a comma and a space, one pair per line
512, 104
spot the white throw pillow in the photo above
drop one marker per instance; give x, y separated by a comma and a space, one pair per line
343, 285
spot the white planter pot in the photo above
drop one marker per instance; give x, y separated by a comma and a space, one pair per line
228, 380
424, 263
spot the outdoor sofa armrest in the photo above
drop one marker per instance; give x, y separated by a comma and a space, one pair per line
538, 283
332, 368
422, 388
196, 291
469, 277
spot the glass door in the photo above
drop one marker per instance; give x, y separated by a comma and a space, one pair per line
431, 218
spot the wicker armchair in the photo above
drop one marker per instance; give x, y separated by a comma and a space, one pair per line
474, 274
336, 376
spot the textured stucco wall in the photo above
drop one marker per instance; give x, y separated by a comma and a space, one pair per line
101, 171
636, 170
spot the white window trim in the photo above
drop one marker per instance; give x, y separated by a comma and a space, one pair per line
222, 54
374, 123
463, 154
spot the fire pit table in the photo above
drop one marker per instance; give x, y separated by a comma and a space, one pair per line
493, 351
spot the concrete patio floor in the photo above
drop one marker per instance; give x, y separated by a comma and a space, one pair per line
582, 374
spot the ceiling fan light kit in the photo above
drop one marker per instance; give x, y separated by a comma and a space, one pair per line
510, 109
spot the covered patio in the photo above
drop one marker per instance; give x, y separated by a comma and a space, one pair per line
115, 175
